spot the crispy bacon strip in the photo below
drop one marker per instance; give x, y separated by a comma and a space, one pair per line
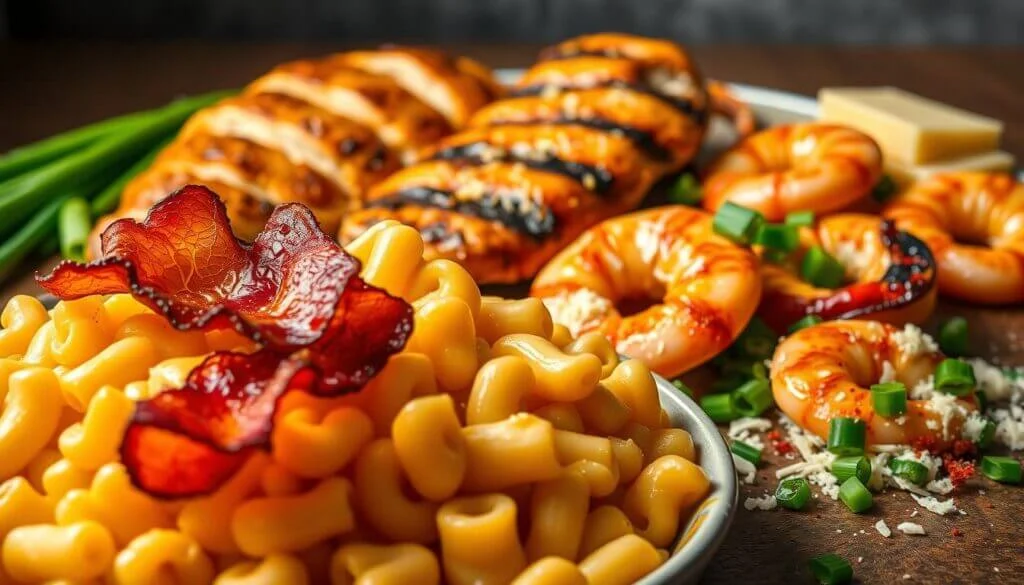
323, 329
183, 261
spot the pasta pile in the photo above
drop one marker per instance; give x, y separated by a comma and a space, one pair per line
494, 449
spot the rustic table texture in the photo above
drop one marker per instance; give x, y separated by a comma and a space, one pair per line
50, 87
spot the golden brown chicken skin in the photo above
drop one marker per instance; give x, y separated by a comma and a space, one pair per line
580, 138
454, 86
401, 120
319, 131
344, 151
668, 138
604, 163
645, 50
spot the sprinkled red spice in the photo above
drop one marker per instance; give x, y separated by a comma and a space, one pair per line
773, 435
959, 470
956, 532
783, 447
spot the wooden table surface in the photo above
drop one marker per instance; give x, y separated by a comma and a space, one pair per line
50, 87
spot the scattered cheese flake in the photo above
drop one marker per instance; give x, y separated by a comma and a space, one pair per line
883, 528
932, 504
948, 407
940, 486
924, 389
911, 528
913, 342
765, 502
745, 469
973, 427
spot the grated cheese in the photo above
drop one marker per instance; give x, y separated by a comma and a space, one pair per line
912, 342
937, 506
746, 469
765, 502
743, 429
883, 528
911, 528
940, 486
973, 427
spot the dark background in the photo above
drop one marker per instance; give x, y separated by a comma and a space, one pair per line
901, 22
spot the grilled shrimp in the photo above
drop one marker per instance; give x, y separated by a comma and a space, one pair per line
825, 371
891, 275
974, 224
813, 166
704, 289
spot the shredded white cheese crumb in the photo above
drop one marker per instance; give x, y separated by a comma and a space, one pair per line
746, 469
744, 429
883, 528
912, 341
932, 504
765, 502
940, 486
911, 528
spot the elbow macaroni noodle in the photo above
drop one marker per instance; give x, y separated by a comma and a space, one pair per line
494, 449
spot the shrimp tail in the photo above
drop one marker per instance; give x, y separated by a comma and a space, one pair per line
911, 276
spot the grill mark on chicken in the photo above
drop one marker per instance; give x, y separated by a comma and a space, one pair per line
687, 107
593, 178
518, 214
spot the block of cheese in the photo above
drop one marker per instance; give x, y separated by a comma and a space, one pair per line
909, 128
996, 160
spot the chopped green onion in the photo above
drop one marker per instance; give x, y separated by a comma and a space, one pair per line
805, 322
777, 236
846, 467
821, 269
737, 223
988, 432
686, 190
746, 451
1001, 469
757, 341
682, 387
793, 493
800, 218
889, 399
884, 189
720, 407
856, 497
912, 471
753, 397
73, 225
954, 377
831, 569
953, 337
846, 436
